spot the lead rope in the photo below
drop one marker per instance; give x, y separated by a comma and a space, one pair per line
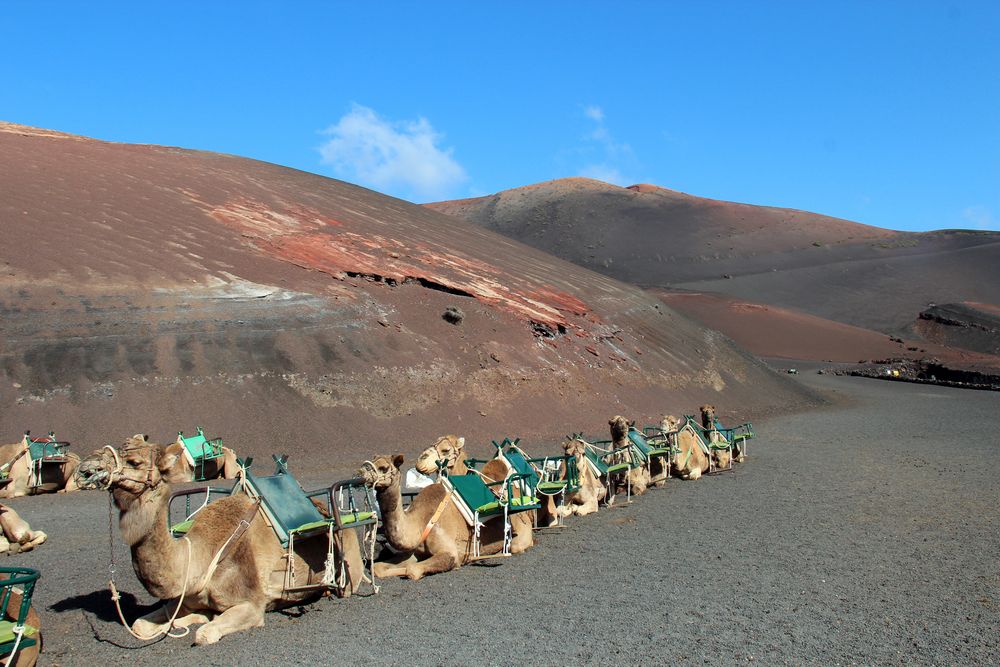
116, 596
19, 631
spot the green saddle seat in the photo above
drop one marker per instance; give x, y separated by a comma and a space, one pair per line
46, 448
181, 528
8, 637
478, 497
200, 448
521, 465
287, 507
642, 444
356, 517
552, 487
603, 468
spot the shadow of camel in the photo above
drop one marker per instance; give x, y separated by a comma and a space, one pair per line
100, 604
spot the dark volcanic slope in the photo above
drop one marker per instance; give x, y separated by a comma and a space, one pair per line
852, 273
153, 289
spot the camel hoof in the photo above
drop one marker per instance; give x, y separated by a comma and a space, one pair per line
206, 635
413, 574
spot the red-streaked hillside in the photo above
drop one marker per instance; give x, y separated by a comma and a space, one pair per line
153, 289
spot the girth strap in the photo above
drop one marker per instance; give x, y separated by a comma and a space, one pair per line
435, 518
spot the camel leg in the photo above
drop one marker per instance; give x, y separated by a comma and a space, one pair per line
230, 468
694, 474
69, 476
188, 620
14, 527
33, 539
524, 537
5, 544
235, 619
350, 551
393, 568
588, 507
437, 563
153, 622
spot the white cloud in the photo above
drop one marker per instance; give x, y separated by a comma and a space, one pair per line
606, 159
980, 217
402, 158
594, 113
606, 173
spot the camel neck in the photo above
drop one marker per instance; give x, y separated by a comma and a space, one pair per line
390, 502
158, 559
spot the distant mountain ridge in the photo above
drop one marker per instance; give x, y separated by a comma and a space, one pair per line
836, 269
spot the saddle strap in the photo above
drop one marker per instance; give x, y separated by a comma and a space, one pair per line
435, 518
242, 527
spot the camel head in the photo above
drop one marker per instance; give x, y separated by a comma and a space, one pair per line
722, 458
707, 416
669, 423
619, 427
128, 472
382, 472
575, 447
448, 448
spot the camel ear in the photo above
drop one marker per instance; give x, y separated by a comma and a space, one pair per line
631, 424
461, 442
611, 422
397, 460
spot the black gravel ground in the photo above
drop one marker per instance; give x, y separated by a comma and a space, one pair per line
862, 533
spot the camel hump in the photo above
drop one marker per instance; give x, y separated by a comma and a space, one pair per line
433, 493
220, 517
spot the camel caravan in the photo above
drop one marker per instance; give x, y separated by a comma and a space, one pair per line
221, 557
40, 465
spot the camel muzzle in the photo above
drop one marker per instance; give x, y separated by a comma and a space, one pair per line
92, 476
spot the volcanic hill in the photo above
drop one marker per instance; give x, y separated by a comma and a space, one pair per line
810, 270
152, 289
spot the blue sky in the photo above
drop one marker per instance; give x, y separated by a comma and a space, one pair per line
886, 113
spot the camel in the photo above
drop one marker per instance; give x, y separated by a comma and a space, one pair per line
226, 588
27, 477
431, 533
710, 422
17, 535
184, 470
450, 451
585, 499
637, 477
689, 460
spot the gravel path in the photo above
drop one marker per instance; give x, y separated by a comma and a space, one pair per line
862, 533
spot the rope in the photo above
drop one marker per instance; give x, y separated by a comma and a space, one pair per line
19, 631
369, 538
116, 597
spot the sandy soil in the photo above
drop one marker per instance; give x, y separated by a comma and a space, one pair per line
863, 533
772, 331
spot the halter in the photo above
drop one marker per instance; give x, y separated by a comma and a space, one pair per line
120, 467
368, 466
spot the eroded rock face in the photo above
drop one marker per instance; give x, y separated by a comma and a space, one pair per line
154, 288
